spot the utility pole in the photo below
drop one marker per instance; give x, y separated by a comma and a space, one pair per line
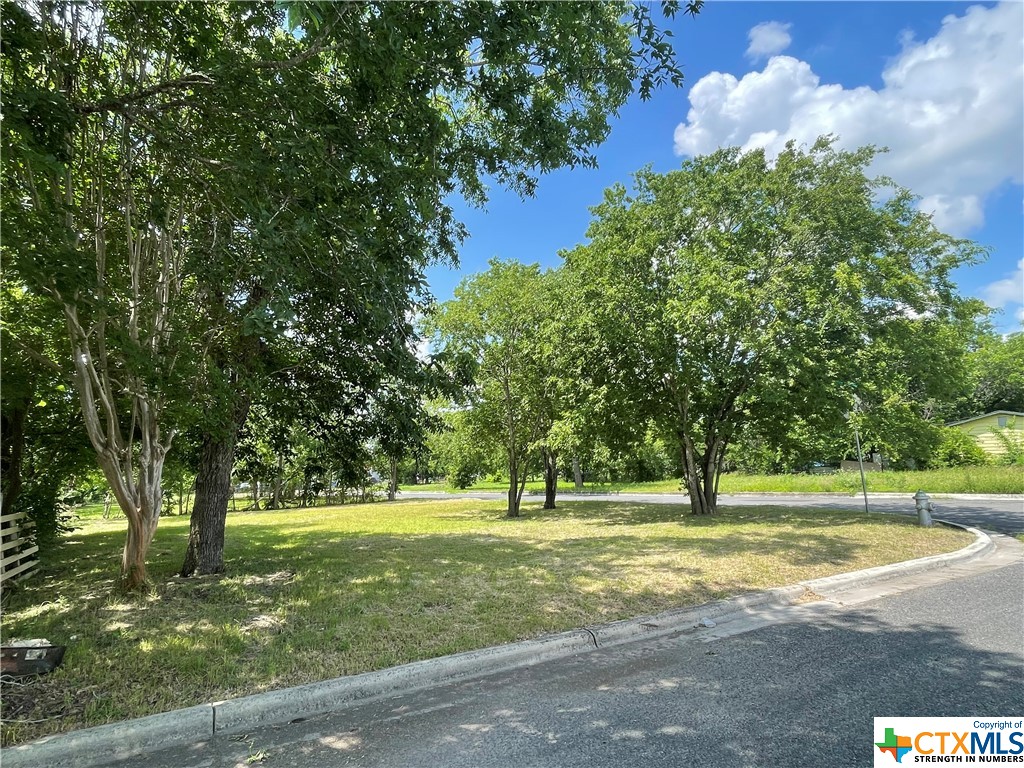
860, 455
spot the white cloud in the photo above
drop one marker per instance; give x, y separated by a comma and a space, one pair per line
1009, 290
767, 39
954, 214
423, 350
951, 111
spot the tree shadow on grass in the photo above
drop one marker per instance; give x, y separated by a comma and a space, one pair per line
616, 513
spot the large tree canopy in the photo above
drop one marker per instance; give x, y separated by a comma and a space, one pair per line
997, 375
739, 294
202, 190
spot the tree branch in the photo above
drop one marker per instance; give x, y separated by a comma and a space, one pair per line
39, 358
315, 48
120, 103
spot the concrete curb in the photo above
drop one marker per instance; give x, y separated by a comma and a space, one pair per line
309, 700
117, 741
107, 743
980, 547
627, 630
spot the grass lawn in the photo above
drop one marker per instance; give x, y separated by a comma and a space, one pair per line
318, 593
990, 479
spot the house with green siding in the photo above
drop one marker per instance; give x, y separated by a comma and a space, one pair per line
983, 428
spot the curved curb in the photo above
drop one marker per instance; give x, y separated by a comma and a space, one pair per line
117, 741
980, 547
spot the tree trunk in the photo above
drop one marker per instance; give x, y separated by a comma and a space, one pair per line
278, 484
703, 495
577, 474
140, 496
516, 484
133, 574
393, 479
205, 553
550, 478
513, 487
141, 505
12, 448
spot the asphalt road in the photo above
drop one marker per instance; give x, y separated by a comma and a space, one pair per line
798, 687
1005, 515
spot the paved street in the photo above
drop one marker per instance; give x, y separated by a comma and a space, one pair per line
784, 686
1003, 515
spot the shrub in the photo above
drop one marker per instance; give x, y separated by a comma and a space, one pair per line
1012, 441
958, 449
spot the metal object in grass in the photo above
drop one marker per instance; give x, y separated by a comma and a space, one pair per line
860, 455
924, 509
30, 657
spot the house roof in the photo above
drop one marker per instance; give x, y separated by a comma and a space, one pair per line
983, 416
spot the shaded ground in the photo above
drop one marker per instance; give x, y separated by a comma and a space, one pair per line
1005, 515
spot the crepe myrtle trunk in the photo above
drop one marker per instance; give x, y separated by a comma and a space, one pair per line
205, 552
550, 478
141, 506
133, 557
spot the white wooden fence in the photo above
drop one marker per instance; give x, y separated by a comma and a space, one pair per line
18, 549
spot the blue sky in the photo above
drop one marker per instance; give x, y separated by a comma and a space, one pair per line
941, 84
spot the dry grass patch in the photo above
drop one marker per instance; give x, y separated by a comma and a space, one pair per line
315, 594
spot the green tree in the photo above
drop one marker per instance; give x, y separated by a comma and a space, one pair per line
420, 103
188, 184
100, 182
400, 415
958, 449
495, 319
738, 295
458, 451
44, 450
997, 375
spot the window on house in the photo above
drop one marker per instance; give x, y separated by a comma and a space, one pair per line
1002, 421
